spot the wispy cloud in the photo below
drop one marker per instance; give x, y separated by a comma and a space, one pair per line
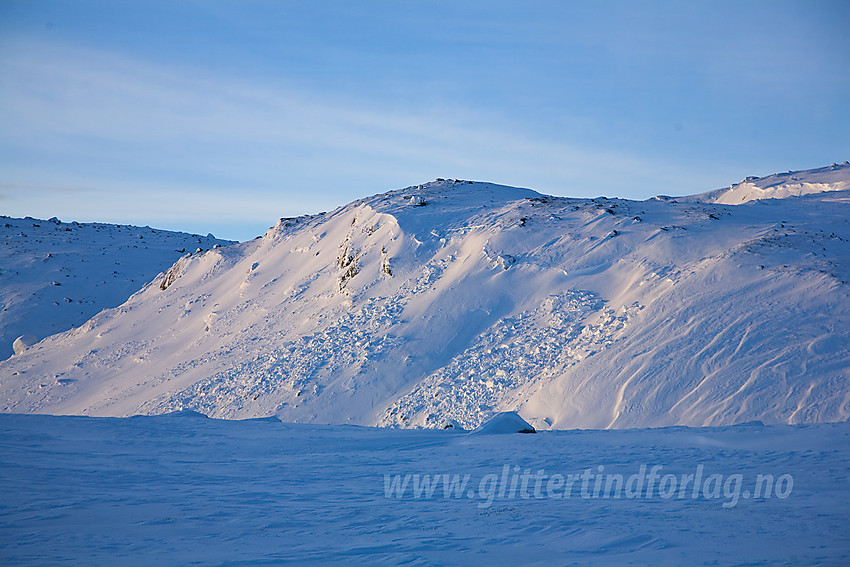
239, 147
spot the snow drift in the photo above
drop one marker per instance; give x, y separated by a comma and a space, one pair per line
451, 301
504, 422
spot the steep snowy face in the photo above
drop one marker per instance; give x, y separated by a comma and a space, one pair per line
56, 275
448, 302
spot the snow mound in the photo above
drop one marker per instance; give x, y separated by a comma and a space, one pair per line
782, 185
192, 414
504, 422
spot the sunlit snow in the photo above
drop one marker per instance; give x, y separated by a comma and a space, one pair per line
450, 301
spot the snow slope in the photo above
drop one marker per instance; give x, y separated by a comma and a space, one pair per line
56, 275
183, 490
451, 301
781, 185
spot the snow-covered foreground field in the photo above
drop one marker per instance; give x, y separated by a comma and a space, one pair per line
188, 490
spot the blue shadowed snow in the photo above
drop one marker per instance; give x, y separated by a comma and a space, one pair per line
170, 490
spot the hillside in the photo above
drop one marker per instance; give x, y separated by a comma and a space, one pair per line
56, 275
445, 302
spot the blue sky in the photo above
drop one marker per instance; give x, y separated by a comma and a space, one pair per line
221, 117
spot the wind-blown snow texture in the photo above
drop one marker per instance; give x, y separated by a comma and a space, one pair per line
450, 301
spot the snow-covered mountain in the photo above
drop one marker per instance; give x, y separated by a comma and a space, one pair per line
446, 302
56, 275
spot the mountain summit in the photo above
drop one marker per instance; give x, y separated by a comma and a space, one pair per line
448, 302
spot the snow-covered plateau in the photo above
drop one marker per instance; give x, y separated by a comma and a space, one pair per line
444, 303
